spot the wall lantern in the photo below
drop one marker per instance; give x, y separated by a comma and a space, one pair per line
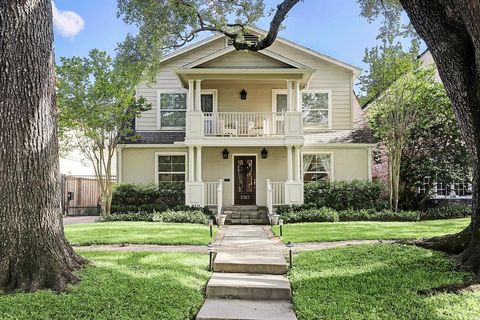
243, 95
225, 153
264, 153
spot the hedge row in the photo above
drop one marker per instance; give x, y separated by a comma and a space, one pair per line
147, 198
345, 195
330, 215
168, 216
324, 214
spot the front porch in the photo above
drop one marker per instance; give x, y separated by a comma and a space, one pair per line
244, 176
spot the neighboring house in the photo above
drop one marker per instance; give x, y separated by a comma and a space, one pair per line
460, 190
248, 128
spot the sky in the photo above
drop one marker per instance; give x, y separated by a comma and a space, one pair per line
334, 28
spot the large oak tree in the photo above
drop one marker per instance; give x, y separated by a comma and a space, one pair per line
34, 252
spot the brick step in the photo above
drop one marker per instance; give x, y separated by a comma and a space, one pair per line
216, 309
251, 262
248, 286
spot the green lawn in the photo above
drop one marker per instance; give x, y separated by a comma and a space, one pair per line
378, 282
138, 233
328, 231
121, 285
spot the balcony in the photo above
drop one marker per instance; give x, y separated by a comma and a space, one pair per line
244, 124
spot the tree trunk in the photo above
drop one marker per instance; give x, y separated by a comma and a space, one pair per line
451, 29
34, 252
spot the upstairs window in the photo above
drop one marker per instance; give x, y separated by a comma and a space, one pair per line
172, 111
316, 108
317, 167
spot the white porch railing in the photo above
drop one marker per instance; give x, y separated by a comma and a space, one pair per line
220, 197
211, 196
275, 195
249, 124
214, 195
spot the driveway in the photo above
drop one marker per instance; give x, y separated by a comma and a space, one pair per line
79, 219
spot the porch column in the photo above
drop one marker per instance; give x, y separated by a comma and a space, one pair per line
289, 95
191, 167
298, 161
199, 164
198, 95
298, 101
289, 164
191, 95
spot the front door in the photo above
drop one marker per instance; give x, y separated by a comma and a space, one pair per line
245, 180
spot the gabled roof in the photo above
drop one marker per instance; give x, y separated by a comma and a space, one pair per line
230, 49
355, 70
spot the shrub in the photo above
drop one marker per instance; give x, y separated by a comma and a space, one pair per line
372, 215
170, 216
147, 198
447, 211
343, 195
311, 215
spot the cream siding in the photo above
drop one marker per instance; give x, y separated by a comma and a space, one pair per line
138, 165
242, 59
167, 80
327, 77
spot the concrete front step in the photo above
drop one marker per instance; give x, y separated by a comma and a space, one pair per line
247, 221
248, 286
251, 262
216, 309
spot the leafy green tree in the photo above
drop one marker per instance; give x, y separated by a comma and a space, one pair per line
451, 30
435, 149
97, 103
393, 116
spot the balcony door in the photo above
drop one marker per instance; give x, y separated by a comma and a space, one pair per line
245, 180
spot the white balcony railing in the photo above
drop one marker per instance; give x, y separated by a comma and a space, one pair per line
211, 196
250, 124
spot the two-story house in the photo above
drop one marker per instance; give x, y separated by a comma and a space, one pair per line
247, 128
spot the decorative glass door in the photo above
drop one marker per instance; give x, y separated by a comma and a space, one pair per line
245, 180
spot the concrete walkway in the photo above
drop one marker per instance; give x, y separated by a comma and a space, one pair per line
249, 279
79, 219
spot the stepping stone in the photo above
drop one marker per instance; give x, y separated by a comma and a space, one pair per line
249, 286
250, 262
216, 309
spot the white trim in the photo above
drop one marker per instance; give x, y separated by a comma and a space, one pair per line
276, 92
245, 71
166, 153
332, 162
233, 174
213, 92
191, 47
119, 165
330, 106
159, 120
369, 163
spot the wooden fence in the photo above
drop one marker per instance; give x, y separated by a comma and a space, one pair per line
80, 194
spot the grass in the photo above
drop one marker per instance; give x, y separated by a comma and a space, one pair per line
138, 233
378, 282
328, 231
121, 285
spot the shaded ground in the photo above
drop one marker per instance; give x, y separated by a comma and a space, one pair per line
378, 282
121, 285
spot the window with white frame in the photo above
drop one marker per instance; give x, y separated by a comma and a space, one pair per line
316, 108
171, 168
317, 167
173, 107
